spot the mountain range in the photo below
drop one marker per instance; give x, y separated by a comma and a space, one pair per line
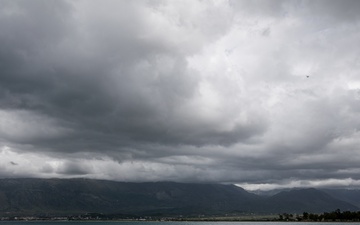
75, 196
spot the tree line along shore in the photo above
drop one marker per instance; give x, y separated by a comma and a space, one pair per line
334, 216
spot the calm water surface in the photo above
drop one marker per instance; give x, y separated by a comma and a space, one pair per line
163, 223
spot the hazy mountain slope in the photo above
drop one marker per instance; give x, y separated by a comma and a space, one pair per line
78, 195
310, 200
72, 196
348, 195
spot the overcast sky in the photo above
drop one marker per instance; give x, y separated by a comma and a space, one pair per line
259, 93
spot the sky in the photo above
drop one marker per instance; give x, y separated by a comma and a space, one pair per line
262, 94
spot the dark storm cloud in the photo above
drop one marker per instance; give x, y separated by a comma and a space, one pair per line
184, 91
129, 90
73, 168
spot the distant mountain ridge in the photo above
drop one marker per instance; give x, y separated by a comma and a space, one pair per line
349, 195
71, 196
311, 199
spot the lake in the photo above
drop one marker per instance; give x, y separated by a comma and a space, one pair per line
161, 223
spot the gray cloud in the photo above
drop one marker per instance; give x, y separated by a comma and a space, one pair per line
190, 91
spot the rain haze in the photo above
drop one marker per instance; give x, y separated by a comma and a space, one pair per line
263, 94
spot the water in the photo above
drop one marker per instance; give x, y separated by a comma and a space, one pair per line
163, 223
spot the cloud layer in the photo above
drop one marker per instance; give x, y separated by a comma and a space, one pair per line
263, 94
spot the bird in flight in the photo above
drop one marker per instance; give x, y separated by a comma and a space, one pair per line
307, 76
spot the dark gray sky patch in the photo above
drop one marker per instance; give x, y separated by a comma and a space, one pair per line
197, 91
73, 168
